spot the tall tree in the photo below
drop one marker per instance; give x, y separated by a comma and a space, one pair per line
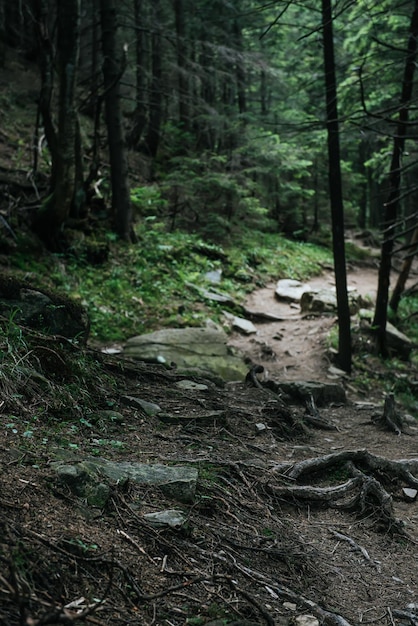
392, 204
65, 143
113, 69
153, 136
335, 189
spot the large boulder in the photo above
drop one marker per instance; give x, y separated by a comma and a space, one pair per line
291, 290
325, 301
42, 310
203, 348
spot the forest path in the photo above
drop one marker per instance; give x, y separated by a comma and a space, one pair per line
295, 348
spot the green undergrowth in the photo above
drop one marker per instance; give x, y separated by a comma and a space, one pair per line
158, 281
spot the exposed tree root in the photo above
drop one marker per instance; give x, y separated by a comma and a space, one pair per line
363, 493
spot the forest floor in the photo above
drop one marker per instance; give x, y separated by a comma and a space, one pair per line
288, 520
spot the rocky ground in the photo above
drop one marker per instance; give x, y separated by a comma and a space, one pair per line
292, 521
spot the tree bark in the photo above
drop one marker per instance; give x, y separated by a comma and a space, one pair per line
140, 114
392, 204
404, 273
183, 81
156, 96
66, 142
113, 68
335, 188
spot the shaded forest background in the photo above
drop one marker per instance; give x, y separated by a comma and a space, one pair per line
222, 106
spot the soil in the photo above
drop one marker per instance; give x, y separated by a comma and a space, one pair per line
296, 348
259, 547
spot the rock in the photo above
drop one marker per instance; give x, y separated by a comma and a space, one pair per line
410, 495
43, 310
171, 518
204, 348
214, 276
85, 478
291, 290
106, 416
241, 324
207, 418
325, 301
262, 316
190, 385
301, 390
149, 408
398, 343
306, 620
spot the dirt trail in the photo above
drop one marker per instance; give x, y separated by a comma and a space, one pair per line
296, 348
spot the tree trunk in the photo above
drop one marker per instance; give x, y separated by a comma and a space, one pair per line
183, 81
46, 63
156, 96
113, 68
403, 276
2, 34
140, 114
335, 188
240, 69
392, 204
58, 205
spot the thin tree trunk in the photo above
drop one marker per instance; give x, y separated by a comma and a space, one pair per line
113, 69
65, 143
335, 188
183, 81
404, 273
140, 114
392, 204
156, 97
47, 82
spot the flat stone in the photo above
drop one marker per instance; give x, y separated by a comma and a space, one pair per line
85, 478
410, 495
306, 620
244, 326
204, 348
322, 393
325, 301
171, 518
149, 408
291, 290
208, 418
190, 385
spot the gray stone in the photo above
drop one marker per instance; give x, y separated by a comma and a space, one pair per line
214, 276
291, 290
190, 385
85, 478
205, 348
208, 418
398, 343
410, 495
322, 393
240, 324
149, 408
178, 482
325, 301
244, 326
171, 518
106, 415
306, 620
